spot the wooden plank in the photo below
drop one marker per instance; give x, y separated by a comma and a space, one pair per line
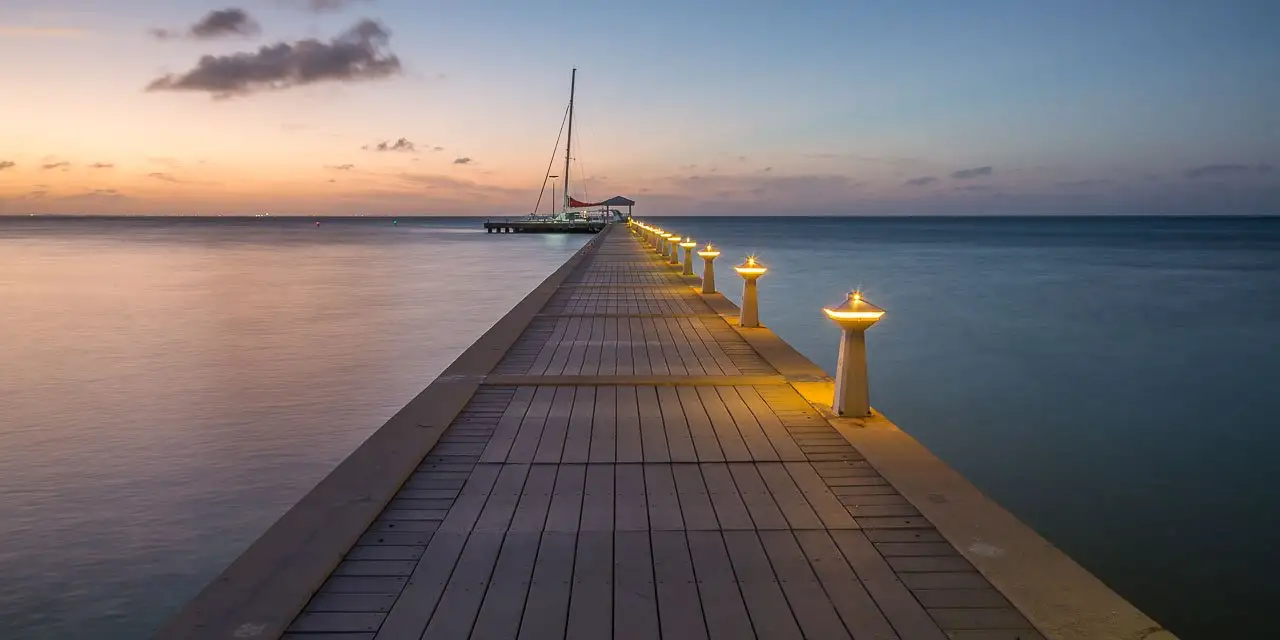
336, 622
631, 512
770, 614
499, 616
975, 619
535, 498
577, 445
705, 444
547, 607
417, 603
635, 610
901, 608
604, 425
352, 603
961, 599
730, 440
386, 552
854, 605
695, 501
375, 568
731, 511
566, 501
652, 432
467, 586
722, 604
679, 609
555, 430
675, 426
503, 498
377, 585
824, 503
409, 616
591, 599
639, 352
630, 444
790, 500
810, 604
660, 493
765, 513
754, 437
597, 501
782, 442
526, 440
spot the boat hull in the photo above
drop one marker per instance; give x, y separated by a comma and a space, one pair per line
539, 226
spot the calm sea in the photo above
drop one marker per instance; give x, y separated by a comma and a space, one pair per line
169, 388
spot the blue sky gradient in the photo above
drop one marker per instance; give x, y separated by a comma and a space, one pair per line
1084, 106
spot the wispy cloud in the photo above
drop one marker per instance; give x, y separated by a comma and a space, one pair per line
462, 160
1225, 170
975, 172
55, 165
102, 165
222, 23
975, 188
165, 177
41, 32
321, 6
357, 54
402, 145
7, 164
1081, 184
921, 181
340, 167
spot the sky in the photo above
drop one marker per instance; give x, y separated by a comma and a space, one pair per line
699, 107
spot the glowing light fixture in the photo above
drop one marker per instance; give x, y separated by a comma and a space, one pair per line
854, 316
708, 255
750, 270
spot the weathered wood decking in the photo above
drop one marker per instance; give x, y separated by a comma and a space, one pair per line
634, 468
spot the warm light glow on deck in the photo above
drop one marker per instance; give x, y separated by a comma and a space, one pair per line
688, 243
709, 252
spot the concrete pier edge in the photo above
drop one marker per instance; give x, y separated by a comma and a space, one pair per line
265, 587
1061, 598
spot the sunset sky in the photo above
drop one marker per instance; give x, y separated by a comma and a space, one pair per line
694, 107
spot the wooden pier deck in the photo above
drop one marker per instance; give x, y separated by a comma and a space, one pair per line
623, 462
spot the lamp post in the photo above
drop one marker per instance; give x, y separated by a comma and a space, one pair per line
708, 255
854, 316
688, 246
750, 270
673, 258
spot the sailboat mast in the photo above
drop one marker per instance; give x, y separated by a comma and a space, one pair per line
573, 79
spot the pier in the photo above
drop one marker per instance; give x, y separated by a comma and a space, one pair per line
618, 457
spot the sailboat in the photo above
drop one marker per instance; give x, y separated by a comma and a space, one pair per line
574, 216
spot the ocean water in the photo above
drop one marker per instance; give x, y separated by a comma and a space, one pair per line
169, 388
1114, 382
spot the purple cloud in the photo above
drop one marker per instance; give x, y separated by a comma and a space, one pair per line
357, 54
975, 172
